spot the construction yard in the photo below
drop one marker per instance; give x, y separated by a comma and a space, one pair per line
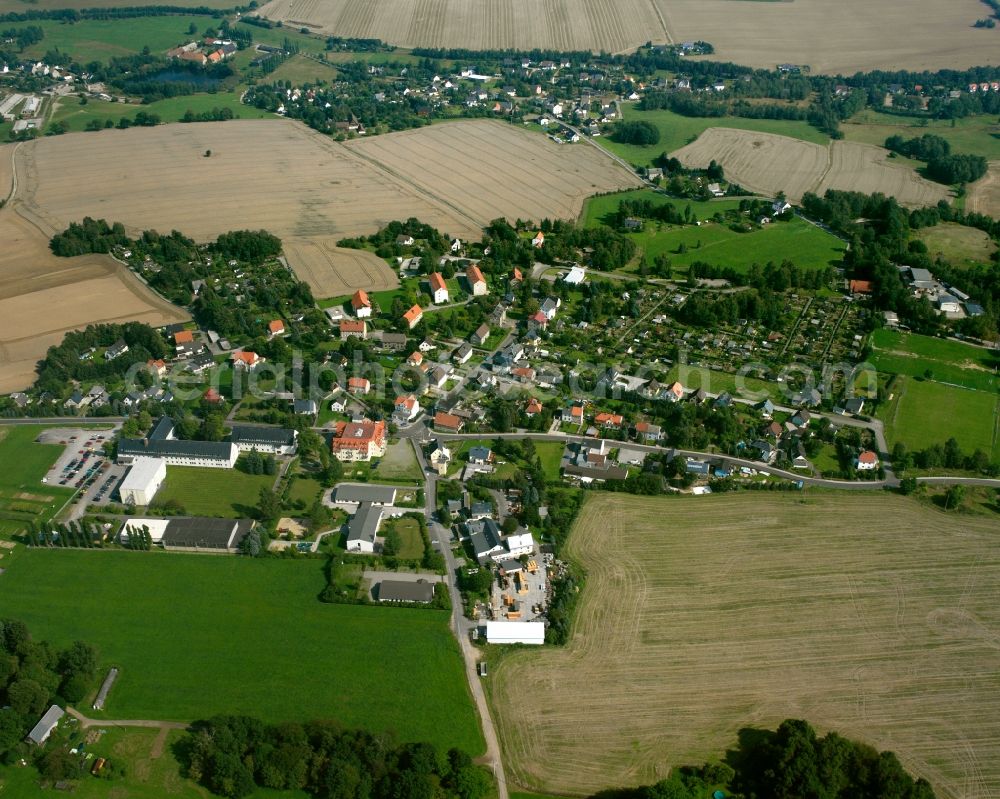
871, 615
767, 163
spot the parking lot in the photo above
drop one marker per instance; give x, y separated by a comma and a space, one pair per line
82, 464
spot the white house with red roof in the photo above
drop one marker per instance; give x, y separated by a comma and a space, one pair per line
867, 461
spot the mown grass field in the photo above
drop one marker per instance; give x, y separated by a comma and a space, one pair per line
77, 116
868, 614
958, 245
947, 361
805, 245
213, 492
597, 209
200, 635
978, 135
923, 413
676, 131
23, 496
100, 39
301, 70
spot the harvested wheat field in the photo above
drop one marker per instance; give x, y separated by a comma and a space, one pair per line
846, 36
333, 271
43, 297
868, 614
279, 175
482, 24
767, 163
983, 196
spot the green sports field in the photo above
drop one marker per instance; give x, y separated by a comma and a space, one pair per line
23, 496
676, 131
923, 413
200, 635
948, 361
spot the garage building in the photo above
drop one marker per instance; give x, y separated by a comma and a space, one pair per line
143, 481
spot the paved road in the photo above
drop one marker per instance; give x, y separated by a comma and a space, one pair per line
160, 725
461, 627
819, 482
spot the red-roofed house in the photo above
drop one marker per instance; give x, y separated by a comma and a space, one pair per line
534, 408
413, 316
675, 392
476, 281
538, 240
447, 421
246, 360
353, 327
867, 461
158, 368
612, 420
439, 289
406, 409
573, 414
183, 337
538, 321
861, 287
358, 385
276, 328
517, 276
416, 358
211, 395
358, 441
361, 304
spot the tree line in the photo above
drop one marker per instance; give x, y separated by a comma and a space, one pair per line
234, 755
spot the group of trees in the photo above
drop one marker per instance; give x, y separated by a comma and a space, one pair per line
942, 165
641, 133
948, 456
791, 763
234, 755
34, 675
256, 463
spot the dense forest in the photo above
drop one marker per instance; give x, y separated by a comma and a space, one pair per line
234, 755
942, 165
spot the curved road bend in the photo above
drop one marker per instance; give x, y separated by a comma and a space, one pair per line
461, 626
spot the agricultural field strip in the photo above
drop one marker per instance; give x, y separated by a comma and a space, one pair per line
984, 195
844, 37
768, 163
686, 633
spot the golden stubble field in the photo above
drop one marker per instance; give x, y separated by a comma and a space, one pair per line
983, 196
768, 163
868, 614
279, 175
333, 271
846, 36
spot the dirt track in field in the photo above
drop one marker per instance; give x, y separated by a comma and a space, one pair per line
874, 616
768, 163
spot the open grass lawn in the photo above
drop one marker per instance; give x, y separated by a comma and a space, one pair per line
677, 130
865, 613
979, 135
300, 69
213, 492
23, 496
199, 635
596, 210
716, 382
103, 39
957, 244
77, 116
805, 245
305, 489
411, 542
550, 453
922, 413
948, 361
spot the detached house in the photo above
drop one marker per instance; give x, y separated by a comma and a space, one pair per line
477, 283
480, 335
538, 240
406, 409
359, 386
413, 316
648, 432
246, 360
867, 461
573, 414
361, 304
353, 327
439, 289
275, 328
